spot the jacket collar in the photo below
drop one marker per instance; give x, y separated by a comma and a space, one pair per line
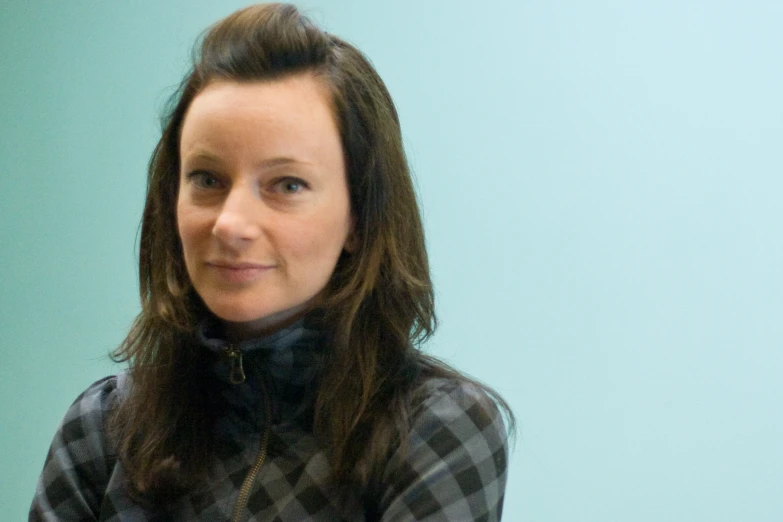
286, 364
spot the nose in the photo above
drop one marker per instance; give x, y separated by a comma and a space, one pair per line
238, 222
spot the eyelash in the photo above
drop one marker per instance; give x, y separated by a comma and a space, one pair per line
200, 177
291, 181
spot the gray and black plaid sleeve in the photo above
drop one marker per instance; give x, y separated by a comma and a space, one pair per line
79, 462
455, 464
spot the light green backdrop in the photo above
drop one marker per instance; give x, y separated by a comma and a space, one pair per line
601, 183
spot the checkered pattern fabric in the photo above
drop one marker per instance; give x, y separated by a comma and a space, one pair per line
454, 467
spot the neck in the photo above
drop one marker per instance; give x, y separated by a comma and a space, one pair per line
237, 332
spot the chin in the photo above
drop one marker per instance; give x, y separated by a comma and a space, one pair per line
234, 315
255, 316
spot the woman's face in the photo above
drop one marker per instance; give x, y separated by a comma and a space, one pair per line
263, 210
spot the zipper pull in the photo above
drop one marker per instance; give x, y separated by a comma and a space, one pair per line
237, 373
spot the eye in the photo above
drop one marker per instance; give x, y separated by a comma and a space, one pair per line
290, 185
204, 180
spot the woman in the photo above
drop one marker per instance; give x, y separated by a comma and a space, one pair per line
284, 283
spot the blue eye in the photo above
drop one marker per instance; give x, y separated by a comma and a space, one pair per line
291, 185
203, 179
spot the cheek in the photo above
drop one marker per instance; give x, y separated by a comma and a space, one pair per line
189, 227
181, 215
317, 242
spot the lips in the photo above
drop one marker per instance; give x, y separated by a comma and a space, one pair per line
236, 266
237, 273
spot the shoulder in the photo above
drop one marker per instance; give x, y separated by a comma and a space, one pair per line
99, 396
450, 412
83, 433
450, 396
86, 418
453, 465
81, 456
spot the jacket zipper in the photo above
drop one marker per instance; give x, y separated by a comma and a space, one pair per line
237, 373
237, 376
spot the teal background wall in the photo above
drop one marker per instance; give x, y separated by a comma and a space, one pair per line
601, 183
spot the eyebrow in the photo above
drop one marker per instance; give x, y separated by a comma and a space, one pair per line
201, 154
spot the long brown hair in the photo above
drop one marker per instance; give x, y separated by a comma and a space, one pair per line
378, 305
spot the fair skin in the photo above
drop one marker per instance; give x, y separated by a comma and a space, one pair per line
263, 210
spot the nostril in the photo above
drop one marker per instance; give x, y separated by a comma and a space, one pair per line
231, 227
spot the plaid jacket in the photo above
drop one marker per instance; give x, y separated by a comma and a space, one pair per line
454, 469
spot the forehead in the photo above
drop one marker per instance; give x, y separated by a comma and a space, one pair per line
281, 116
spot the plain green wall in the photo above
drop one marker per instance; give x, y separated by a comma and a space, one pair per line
601, 183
